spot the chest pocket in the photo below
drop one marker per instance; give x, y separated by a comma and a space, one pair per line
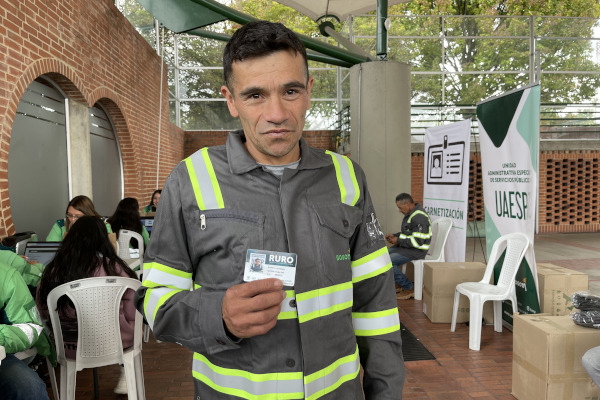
336, 224
221, 238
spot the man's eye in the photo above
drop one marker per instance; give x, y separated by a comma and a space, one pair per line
292, 91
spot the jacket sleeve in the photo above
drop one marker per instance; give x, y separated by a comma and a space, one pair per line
56, 234
375, 313
176, 311
416, 234
31, 273
23, 328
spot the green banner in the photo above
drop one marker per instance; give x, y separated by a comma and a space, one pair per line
509, 137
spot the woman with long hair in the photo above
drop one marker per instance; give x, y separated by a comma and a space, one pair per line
153, 202
127, 216
78, 207
86, 252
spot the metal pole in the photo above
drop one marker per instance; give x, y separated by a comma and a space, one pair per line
382, 36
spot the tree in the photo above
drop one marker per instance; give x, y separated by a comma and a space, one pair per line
491, 51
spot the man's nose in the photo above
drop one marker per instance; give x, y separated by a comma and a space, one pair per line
276, 111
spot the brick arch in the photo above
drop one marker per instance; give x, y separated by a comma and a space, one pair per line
68, 81
129, 158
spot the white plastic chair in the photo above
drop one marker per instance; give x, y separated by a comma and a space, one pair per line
97, 302
482, 291
124, 253
440, 229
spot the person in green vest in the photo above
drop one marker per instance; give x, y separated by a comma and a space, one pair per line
153, 202
78, 207
21, 328
30, 271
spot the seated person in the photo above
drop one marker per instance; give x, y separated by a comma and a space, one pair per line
78, 207
31, 271
127, 216
153, 202
20, 330
86, 252
411, 243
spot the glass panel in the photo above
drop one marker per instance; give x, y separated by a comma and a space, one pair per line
426, 89
487, 55
200, 84
569, 55
107, 188
487, 26
196, 51
570, 88
207, 115
142, 20
468, 89
37, 160
414, 26
567, 27
421, 54
325, 84
321, 115
364, 25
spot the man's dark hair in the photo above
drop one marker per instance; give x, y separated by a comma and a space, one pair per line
258, 39
404, 197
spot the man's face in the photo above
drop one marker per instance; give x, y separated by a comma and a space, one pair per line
270, 94
404, 208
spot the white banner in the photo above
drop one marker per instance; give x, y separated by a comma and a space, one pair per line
446, 181
509, 136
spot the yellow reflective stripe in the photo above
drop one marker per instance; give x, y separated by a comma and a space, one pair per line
194, 181
324, 301
416, 213
287, 311
160, 275
371, 265
154, 299
376, 323
204, 181
346, 178
213, 178
330, 378
247, 385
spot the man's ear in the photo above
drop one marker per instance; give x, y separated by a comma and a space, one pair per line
230, 101
309, 86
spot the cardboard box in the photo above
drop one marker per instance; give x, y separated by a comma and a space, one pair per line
439, 283
547, 353
556, 285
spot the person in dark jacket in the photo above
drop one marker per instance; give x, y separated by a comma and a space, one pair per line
411, 243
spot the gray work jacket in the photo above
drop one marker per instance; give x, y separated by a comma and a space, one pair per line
342, 311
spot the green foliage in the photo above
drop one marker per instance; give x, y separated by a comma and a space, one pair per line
446, 53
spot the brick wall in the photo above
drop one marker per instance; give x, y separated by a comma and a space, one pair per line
569, 182
195, 140
94, 55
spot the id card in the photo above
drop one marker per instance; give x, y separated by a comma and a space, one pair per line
263, 264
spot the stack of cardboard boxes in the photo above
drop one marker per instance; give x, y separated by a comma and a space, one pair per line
547, 347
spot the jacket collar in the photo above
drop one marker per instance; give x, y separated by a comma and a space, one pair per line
240, 161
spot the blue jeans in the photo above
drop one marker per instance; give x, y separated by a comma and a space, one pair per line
19, 382
398, 260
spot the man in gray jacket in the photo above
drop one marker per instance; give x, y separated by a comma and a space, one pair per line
295, 334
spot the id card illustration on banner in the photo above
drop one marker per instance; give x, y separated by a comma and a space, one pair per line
263, 264
445, 165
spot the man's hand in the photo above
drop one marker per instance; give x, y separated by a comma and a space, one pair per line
391, 238
251, 309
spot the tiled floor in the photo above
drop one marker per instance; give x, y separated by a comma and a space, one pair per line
457, 373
